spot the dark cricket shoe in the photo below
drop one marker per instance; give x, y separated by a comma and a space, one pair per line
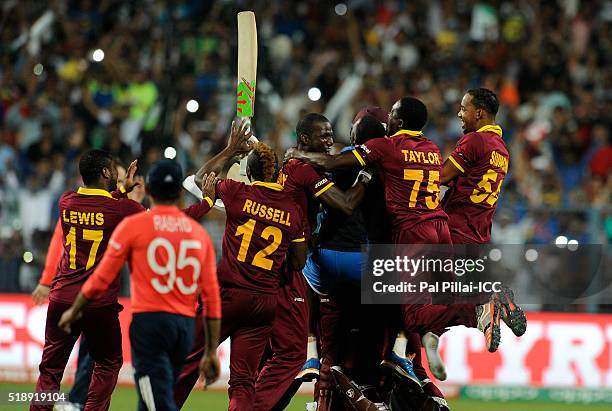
353, 393
488, 318
511, 313
402, 368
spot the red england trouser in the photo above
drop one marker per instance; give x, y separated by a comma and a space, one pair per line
247, 318
287, 344
100, 325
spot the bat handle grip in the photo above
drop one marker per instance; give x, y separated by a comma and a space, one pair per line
252, 139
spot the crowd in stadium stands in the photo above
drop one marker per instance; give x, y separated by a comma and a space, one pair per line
548, 61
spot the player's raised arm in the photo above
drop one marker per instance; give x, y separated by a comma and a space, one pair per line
237, 144
201, 208
347, 201
325, 161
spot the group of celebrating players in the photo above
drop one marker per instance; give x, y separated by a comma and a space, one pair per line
287, 287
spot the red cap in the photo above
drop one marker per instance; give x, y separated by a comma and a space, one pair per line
374, 111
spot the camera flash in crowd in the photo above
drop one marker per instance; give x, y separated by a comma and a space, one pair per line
314, 94
192, 106
170, 152
340, 9
28, 257
98, 55
38, 69
561, 241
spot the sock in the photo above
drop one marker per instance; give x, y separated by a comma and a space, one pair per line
399, 348
311, 350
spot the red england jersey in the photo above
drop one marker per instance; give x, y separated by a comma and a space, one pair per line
172, 261
262, 221
299, 179
410, 166
88, 218
470, 202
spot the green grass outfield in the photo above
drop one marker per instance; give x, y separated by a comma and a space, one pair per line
124, 399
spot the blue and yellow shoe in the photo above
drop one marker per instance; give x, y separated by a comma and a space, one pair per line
310, 370
401, 367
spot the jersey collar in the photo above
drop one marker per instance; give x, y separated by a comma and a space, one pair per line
271, 186
94, 192
493, 128
408, 132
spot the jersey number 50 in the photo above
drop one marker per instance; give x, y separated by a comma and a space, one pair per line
173, 264
485, 192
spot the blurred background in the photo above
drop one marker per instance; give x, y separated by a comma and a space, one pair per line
152, 78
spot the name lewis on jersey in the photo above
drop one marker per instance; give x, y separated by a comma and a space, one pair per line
83, 218
267, 212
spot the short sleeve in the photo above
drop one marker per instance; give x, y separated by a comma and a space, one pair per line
226, 189
199, 209
315, 182
129, 207
299, 233
465, 152
372, 151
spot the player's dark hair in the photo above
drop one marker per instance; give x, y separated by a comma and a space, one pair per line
368, 128
91, 164
263, 163
304, 126
413, 113
484, 99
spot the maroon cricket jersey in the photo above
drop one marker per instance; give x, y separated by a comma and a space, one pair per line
88, 218
410, 166
299, 179
470, 202
262, 221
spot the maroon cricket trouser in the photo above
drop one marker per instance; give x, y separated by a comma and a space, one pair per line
100, 325
288, 342
247, 318
416, 317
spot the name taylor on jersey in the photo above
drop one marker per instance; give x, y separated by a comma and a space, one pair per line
425, 157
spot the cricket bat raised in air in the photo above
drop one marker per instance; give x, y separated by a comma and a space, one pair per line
247, 65
247, 72
245, 94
